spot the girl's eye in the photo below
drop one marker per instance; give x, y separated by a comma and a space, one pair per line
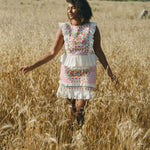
68, 9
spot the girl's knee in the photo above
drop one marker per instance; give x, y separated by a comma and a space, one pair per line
80, 105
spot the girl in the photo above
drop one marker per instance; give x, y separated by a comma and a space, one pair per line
82, 48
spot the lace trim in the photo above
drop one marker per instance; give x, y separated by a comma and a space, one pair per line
75, 92
77, 84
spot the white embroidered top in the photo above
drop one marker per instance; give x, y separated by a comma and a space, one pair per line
79, 45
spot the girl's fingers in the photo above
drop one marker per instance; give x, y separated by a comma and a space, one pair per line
114, 78
20, 70
23, 69
116, 81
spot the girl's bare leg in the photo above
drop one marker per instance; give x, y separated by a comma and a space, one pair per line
72, 110
77, 107
79, 103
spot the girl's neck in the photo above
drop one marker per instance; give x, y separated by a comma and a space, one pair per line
75, 22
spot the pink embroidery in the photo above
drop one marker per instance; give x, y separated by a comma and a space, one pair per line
78, 40
77, 75
83, 76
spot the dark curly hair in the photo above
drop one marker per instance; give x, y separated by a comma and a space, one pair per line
84, 9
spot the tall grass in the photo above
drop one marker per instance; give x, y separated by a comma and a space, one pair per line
32, 117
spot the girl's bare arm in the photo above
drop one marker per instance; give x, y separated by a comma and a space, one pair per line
100, 54
57, 45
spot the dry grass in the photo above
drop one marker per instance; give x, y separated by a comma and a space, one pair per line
32, 117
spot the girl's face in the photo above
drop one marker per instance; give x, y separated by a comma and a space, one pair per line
72, 12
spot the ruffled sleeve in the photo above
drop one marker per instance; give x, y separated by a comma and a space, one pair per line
65, 28
92, 31
93, 27
61, 25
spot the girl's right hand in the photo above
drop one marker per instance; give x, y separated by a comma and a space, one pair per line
114, 78
25, 69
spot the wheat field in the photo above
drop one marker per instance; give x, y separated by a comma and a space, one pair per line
31, 115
